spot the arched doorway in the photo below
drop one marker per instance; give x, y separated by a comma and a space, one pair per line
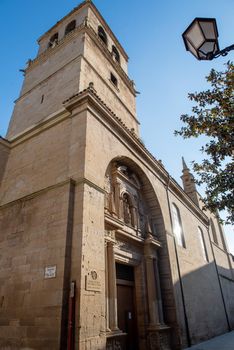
134, 228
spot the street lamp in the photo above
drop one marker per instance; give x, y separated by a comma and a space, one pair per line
201, 39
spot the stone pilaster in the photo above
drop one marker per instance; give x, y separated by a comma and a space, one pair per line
112, 291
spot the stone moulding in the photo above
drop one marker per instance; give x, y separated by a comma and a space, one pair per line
116, 341
5, 142
77, 58
159, 338
46, 123
105, 82
73, 181
37, 193
51, 50
113, 222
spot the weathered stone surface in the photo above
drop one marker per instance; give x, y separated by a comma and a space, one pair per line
80, 193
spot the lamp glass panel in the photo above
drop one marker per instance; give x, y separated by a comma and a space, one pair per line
208, 30
191, 49
216, 48
195, 36
202, 56
207, 47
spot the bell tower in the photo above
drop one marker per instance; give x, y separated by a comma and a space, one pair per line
77, 51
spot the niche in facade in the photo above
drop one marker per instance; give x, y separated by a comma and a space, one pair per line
125, 200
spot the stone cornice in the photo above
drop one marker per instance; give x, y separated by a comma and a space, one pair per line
113, 222
77, 58
5, 142
37, 193
113, 90
89, 183
36, 129
52, 50
73, 181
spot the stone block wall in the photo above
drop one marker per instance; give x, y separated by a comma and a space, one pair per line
4, 153
30, 304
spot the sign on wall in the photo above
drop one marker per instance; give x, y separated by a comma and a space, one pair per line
50, 272
92, 282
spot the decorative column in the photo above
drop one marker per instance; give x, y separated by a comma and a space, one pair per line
159, 295
118, 203
116, 192
112, 291
152, 292
135, 216
107, 288
154, 321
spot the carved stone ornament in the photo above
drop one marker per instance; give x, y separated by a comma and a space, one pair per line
165, 341
94, 275
125, 200
113, 344
153, 341
110, 234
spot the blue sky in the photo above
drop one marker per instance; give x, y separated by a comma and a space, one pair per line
163, 71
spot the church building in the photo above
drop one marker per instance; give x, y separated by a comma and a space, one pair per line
100, 248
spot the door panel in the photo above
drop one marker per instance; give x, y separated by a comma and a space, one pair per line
127, 315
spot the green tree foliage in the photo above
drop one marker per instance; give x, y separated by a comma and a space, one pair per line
213, 116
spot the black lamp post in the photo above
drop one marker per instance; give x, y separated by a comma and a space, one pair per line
201, 39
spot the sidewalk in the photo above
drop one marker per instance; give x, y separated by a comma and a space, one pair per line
223, 342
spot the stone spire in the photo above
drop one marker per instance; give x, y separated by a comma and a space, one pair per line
189, 183
184, 165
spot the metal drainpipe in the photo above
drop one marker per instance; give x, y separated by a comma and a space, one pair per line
220, 285
179, 273
71, 317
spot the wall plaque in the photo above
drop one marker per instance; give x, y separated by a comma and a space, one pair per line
50, 272
92, 282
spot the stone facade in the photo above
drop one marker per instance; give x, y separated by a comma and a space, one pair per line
100, 248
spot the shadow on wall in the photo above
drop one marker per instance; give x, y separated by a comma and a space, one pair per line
205, 301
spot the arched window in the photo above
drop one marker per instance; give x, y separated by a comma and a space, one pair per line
202, 243
177, 226
115, 53
127, 210
70, 27
53, 40
213, 230
114, 80
102, 34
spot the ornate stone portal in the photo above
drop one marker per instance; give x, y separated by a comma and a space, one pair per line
131, 240
124, 200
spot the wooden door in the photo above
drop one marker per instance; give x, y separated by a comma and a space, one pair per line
126, 312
